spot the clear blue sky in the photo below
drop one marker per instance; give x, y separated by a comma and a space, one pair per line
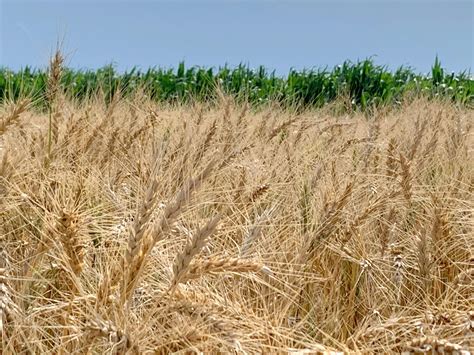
277, 34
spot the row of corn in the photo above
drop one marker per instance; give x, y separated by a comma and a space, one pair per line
363, 84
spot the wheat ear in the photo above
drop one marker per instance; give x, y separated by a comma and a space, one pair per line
71, 241
97, 328
216, 265
254, 233
405, 181
160, 229
391, 160
281, 127
258, 192
417, 139
330, 219
192, 248
141, 222
14, 115
432, 345
8, 309
4, 164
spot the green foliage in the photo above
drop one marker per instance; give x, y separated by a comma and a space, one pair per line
364, 83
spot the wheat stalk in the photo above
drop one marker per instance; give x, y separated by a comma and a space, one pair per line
52, 90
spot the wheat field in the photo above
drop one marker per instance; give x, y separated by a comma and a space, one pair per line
133, 227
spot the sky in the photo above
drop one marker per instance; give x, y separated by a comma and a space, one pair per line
277, 34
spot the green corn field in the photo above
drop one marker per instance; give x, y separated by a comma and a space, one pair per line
363, 83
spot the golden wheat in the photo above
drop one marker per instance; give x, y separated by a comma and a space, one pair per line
315, 232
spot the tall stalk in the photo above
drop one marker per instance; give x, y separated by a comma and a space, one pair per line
52, 89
